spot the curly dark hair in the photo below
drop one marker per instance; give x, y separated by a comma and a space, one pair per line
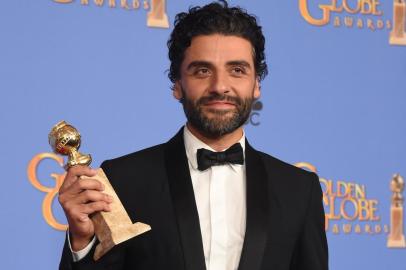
215, 18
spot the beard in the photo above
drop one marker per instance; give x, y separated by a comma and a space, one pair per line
222, 121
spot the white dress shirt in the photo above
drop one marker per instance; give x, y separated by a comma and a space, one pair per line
221, 204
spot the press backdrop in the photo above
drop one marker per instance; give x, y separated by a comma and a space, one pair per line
334, 100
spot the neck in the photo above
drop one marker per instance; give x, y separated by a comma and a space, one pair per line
217, 143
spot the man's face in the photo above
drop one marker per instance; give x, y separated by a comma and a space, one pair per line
217, 83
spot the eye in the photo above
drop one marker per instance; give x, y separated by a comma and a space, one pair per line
238, 70
202, 72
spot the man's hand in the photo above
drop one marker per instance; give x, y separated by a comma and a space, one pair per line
80, 198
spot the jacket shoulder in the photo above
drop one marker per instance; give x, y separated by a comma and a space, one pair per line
142, 160
284, 168
142, 155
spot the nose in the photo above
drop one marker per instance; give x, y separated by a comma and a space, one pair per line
220, 83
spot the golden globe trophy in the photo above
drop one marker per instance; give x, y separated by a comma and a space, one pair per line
396, 238
398, 33
111, 228
157, 16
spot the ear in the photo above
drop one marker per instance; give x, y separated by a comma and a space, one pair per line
257, 89
177, 91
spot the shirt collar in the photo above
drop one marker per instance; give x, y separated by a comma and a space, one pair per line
192, 144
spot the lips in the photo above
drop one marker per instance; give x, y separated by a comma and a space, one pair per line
220, 104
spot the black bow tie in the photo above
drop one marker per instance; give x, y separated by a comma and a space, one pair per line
207, 158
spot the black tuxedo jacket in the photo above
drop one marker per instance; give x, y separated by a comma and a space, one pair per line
285, 217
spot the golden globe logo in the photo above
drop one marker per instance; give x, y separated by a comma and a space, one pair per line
156, 16
361, 14
347, 207
50, 191
364, 7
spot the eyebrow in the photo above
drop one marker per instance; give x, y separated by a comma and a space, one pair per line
239, 63
199, 63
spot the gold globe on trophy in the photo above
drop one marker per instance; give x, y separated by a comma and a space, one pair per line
65, 140
111, 228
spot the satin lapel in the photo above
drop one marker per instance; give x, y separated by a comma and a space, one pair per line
257, 211
184, 203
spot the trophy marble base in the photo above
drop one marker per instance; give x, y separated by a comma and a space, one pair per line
114, 227
396, 237
401, 243
395, 40
153, 21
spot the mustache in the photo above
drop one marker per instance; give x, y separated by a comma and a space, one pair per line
219, 97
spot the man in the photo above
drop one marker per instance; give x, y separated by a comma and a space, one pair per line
213, 202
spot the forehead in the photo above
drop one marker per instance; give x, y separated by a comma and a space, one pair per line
218, 48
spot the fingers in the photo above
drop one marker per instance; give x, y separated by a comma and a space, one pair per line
81, 213
78, 205
79, 170
86, 184
93, 207
83, 191
75, 172
81, 196
91, 196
